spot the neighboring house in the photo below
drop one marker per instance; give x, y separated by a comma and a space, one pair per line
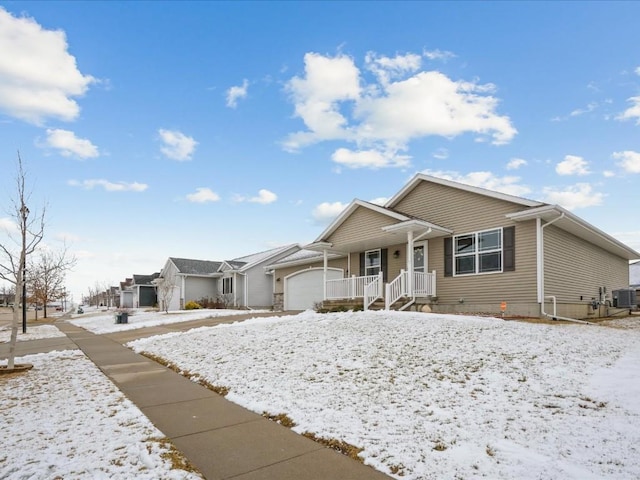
634, 275
126, 294
144, 291
191, 280
240, 283
245, 281
459, 248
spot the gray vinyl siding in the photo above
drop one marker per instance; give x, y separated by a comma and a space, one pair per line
575, 268
260, 287
362, 223
197, 288
468, 212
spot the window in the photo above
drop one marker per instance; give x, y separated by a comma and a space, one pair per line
479, 252
227, 285
372, 262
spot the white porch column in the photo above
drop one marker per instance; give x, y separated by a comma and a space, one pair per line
410, 261
325, 262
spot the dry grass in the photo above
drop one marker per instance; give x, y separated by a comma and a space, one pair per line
174, 456
345, 448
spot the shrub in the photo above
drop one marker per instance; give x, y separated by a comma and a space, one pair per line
191, 305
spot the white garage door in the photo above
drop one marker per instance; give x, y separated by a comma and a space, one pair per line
304, 288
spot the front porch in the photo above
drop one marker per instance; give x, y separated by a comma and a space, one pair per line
370, 290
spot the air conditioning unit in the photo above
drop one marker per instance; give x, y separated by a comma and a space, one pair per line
624, 298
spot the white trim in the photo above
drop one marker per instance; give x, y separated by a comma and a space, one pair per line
477, 253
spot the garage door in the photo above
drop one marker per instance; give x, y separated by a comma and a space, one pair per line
304, 288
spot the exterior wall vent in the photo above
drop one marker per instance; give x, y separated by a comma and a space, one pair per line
625, 298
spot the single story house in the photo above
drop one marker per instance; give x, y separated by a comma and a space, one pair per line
144, 291
458, 249
239, 283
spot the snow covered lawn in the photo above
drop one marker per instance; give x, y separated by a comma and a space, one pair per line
33, 333
65, 419
104, 322
436, 396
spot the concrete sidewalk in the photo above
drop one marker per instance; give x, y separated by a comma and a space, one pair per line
221, 439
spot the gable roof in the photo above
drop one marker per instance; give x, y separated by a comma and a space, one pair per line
573, 224
301, 257
144, 279
250, 261
189, 266
352, 207
421, 177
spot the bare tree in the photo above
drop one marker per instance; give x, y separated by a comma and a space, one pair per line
48, 272
15, 251
164, 290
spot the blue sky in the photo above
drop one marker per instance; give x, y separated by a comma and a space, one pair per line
214, 130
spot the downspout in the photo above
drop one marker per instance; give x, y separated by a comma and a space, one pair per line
542, 295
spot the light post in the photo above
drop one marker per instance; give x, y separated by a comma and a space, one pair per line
24, 211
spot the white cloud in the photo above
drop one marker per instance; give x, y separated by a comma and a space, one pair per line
516, 163
572, 165
38, 77
326, 212
237, 92
177, 145
379, 200
264, 197
508, 184
637, 71
632, 112
581, 111
8, 225
368, 159
203, 195
109, 186
580, 195
629, 161
441, 154
335, 104
327, 81
386, 68
438, 54
608, 173
69, 145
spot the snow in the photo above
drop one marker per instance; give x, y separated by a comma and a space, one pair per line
104, 321
436, 396
64, 419
33, 333
426, 396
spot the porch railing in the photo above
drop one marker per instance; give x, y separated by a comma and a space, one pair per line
371, 287
350, 287
372, 291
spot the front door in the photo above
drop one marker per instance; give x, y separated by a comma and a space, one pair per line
420, 254
420, 267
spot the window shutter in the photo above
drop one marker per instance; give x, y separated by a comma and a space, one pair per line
361, 264
383, 264
509, 249
448, 257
